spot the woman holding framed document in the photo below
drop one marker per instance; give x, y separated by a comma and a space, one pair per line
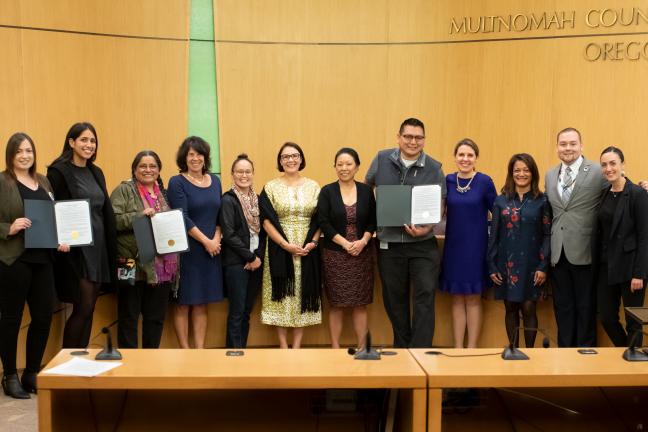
198, 193
26, 275
147, 291
82, 273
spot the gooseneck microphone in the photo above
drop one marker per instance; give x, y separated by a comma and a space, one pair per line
109, 352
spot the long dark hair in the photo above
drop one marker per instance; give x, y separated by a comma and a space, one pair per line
509, 184
12, 149
75, 132
158, 161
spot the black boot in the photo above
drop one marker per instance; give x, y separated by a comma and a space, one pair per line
28, 381
12, 387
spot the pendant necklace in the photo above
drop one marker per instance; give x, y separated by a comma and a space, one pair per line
522, 203
464, 189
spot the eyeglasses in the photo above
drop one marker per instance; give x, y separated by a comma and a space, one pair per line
287, 157
410, 138
147, 167
243, 172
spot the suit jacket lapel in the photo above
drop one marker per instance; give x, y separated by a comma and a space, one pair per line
583, 172
552, 186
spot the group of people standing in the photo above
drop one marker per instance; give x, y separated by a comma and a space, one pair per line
293, 238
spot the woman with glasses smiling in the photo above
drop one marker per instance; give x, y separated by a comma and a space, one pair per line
243, 249
145, 289
291, 278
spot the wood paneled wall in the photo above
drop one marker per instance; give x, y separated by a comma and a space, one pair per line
130, 81
338, 73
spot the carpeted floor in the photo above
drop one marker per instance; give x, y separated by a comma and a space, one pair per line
18, 415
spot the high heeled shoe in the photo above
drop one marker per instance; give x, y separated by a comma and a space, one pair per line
28, 381
11, 386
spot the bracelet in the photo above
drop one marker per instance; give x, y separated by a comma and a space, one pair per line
315, 242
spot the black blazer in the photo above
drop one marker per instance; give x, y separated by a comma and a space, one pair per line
628, 244
332, 214
236, 233
67, 269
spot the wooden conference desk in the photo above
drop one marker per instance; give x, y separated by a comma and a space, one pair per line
552, 367
151, 371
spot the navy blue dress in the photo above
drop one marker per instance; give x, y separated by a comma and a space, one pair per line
519, 245
464, 269
201, 276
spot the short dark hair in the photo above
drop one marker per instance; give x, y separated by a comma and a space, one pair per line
467, 142
75, 132
613, 149
241, 157
411, 122
569, 129
12, 149
197, 144
351, 152
509, 184
302, 165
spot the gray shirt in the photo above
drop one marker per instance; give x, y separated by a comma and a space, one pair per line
387, 168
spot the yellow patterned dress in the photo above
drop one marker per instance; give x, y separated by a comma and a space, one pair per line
294, 206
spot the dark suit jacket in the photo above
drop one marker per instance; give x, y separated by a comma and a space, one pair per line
628, 245
68, 267
332, 214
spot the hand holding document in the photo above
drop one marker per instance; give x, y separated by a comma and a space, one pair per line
82, 367
398, 205
58, 222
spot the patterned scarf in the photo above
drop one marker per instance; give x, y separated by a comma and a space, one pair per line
166, 266
250, 204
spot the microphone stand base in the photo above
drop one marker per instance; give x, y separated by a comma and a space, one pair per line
109, 355
634, 355
511, 353
367, 355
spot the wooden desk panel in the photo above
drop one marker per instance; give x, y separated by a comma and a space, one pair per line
552, 367
258, 369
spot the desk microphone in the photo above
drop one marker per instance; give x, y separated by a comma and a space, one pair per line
366, 353
109, 352
511, 352
632, 354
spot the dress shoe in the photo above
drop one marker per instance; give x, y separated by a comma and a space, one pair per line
28, 381
12, 387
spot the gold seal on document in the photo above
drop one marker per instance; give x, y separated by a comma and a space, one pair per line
74, 235
171, 242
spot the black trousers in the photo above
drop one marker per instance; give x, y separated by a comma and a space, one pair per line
242, 290
609, 301
151, 302
410, 270
574, 299
19, 283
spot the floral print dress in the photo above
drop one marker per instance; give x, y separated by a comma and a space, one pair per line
519, 244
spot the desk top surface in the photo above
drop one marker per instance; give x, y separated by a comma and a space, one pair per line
257, 369
552, 367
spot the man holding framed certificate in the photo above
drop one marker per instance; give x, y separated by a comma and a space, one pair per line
408, 254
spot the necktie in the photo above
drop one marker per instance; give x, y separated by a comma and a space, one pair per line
568, 181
